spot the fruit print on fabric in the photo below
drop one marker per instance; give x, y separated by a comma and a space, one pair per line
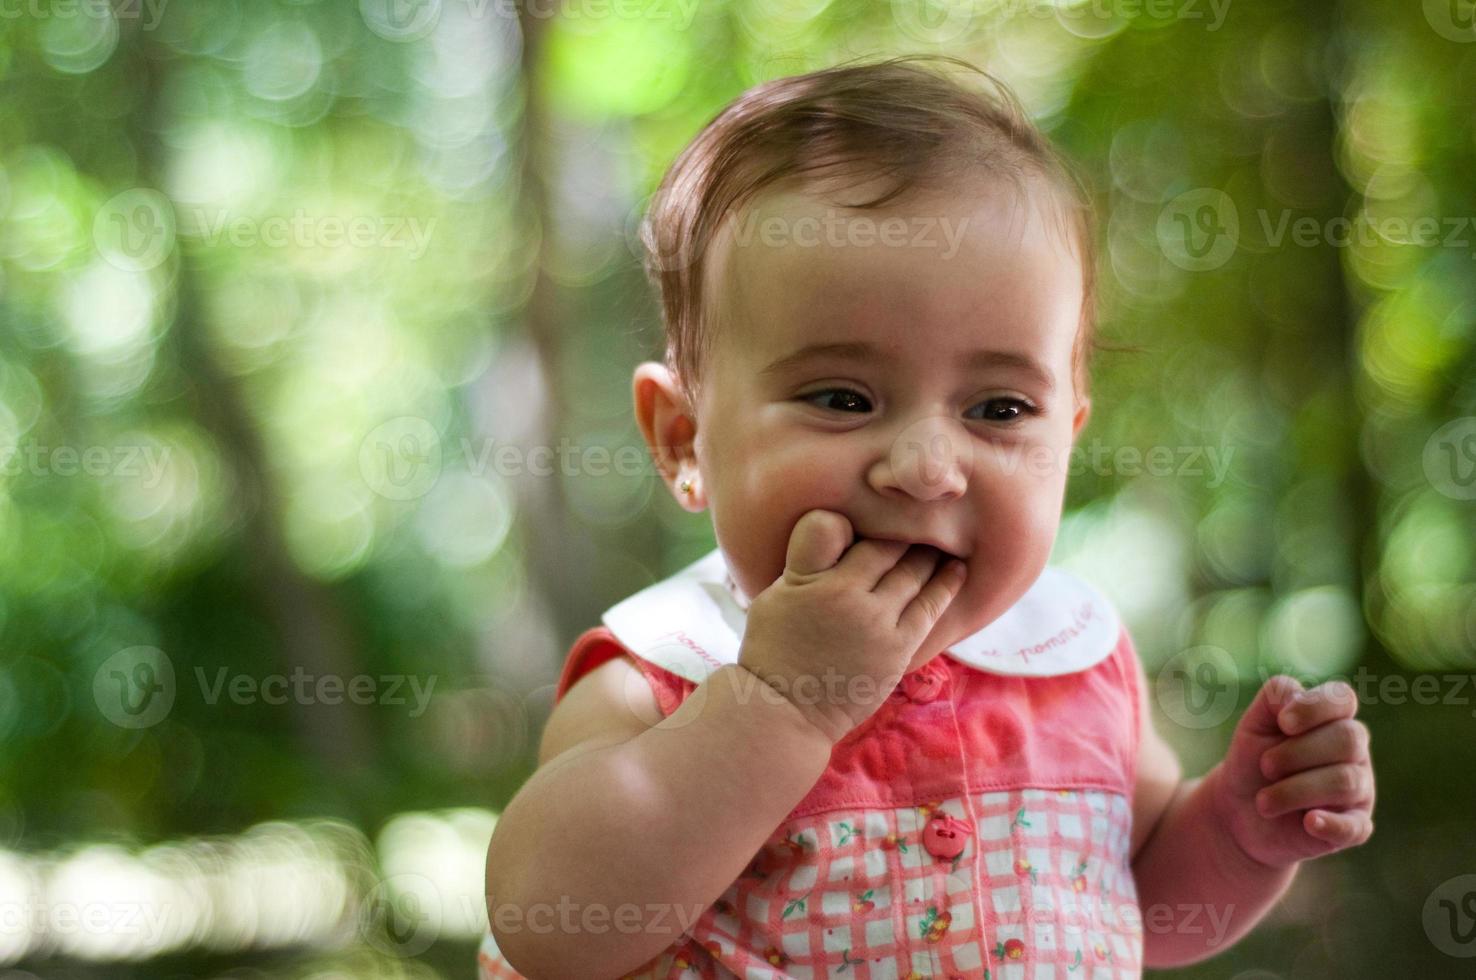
1037, 878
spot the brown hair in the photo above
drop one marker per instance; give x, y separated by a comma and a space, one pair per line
889, 118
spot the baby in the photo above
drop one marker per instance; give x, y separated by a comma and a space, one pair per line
873, 732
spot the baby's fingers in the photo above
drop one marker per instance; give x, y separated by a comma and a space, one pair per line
1340, 786
872, 559
1339, 829
1318, 706
906, 578
1339, 741
930, 602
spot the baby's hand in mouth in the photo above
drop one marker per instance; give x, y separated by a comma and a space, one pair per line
837, 630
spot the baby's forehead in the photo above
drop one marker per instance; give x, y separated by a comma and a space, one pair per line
787, 212
805, 250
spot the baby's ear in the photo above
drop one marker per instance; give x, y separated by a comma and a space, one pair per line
1083, 412
667, 424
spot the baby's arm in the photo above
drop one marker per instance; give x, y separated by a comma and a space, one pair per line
1199, 893
1208, 862
627, 832
643, 826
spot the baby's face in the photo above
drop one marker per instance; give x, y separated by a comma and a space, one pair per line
912, 430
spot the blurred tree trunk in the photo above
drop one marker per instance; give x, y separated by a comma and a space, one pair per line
1362, 491
558, 563
311, 630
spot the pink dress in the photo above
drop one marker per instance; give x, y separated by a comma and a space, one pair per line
977, 825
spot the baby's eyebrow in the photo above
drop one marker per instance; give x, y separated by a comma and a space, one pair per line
865, 353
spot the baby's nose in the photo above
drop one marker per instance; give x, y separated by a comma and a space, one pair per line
930, 459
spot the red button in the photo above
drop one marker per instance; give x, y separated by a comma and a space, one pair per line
924, 684
946, 836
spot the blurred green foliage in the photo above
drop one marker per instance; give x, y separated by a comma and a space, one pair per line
279, 280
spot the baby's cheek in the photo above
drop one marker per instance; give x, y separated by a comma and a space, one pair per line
1039, 526
1016, 534
773, 478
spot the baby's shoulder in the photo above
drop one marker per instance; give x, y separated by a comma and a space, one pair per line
607, 705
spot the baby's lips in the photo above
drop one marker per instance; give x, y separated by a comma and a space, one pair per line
936, 550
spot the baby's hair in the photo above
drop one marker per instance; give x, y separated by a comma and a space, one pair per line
892, 118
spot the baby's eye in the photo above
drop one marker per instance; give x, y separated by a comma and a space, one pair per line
853, 401
1015, 408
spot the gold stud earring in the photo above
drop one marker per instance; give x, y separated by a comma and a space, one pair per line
685, 486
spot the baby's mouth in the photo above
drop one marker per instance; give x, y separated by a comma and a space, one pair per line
944, 553
945, 556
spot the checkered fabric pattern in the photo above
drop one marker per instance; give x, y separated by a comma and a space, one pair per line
491, 965
1043, 890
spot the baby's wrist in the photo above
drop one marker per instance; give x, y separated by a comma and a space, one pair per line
1236, 860
819, 720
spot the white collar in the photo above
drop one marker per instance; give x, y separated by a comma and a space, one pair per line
692, 623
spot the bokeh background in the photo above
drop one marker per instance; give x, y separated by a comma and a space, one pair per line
317, 321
